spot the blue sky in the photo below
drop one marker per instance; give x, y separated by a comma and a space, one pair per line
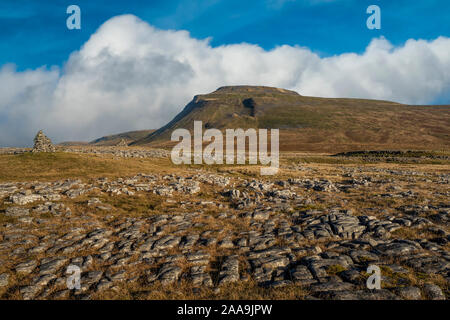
34, 33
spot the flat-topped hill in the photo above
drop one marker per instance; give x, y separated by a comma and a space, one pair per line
314, 124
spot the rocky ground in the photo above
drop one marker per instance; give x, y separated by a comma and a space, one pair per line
308, 233
121, 151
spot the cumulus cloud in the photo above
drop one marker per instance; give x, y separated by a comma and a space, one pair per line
130, 75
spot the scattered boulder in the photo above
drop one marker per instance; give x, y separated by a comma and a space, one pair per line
16, 212
4, 279
409, 293
433, 292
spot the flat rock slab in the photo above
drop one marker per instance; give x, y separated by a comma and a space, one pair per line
396, 248
16, 212
331, 286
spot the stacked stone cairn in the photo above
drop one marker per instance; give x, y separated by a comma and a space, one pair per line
42, 143
122, 143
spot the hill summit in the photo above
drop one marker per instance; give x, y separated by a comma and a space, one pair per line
253, 90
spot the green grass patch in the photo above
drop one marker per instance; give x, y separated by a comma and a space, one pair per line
335, 269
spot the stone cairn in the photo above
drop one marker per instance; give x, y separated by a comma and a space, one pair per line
42, 143
122, 143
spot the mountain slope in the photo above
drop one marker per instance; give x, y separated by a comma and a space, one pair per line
314, 124
114, 139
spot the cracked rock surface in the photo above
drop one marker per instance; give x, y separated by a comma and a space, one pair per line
219, 231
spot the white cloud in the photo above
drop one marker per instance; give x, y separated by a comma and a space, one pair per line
130, 75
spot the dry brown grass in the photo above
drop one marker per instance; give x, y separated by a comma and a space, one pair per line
52, 166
